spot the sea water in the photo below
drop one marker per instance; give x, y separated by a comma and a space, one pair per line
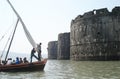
67, 69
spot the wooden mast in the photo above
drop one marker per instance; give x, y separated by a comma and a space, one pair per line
11, 39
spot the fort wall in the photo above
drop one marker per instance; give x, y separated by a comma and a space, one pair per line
52, 49
63, 46
95, 35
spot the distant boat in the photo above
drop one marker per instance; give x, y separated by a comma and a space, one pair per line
34, 66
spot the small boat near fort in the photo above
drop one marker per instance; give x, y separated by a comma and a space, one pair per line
29, 66
23, 67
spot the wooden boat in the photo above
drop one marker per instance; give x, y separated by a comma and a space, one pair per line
34, 66
24, 67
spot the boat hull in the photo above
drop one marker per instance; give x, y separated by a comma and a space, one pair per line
35, 66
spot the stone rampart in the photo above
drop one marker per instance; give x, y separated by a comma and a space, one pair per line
96, 35
63, 46
52, 49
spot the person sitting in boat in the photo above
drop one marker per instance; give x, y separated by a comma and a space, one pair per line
9, 61
17, 60
21, 61
39, 51
33, 51
25, 60
3, 62
13, 62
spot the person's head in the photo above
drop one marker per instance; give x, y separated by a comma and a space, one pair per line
40, 43
20, 58
34, 49
17, 58
25, 58
9, 58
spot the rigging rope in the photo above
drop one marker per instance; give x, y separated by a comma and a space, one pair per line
5, 33
6, 45
4, 48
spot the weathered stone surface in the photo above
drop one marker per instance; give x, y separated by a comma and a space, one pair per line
96, 35
63, 46
52, 50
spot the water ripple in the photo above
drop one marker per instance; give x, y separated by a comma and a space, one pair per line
66, 69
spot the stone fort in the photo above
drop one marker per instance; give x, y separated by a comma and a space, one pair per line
95, 35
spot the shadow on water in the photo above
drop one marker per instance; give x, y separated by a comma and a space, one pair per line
66, 69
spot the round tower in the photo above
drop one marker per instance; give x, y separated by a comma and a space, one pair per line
96, 35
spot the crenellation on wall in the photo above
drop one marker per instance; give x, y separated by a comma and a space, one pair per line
92, 14
88, 14
77, 18
103, 11
97, 12
116, 11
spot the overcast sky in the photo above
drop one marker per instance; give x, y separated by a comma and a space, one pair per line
45, 19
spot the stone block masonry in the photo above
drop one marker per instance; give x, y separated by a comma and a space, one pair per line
63, 46
60, 49
96, 35
52, 49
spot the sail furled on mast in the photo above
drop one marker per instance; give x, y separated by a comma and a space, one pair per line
27, 33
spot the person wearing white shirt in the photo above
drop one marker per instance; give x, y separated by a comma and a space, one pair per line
39, 51
9, 61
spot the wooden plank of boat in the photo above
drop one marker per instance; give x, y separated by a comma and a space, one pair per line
35, 66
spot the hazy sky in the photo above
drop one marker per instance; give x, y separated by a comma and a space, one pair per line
45, 19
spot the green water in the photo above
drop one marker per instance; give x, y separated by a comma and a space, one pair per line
66, 69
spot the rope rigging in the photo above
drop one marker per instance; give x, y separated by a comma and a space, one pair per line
5, 33
5, 47
8, 40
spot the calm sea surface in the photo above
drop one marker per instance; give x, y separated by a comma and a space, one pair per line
67, 69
